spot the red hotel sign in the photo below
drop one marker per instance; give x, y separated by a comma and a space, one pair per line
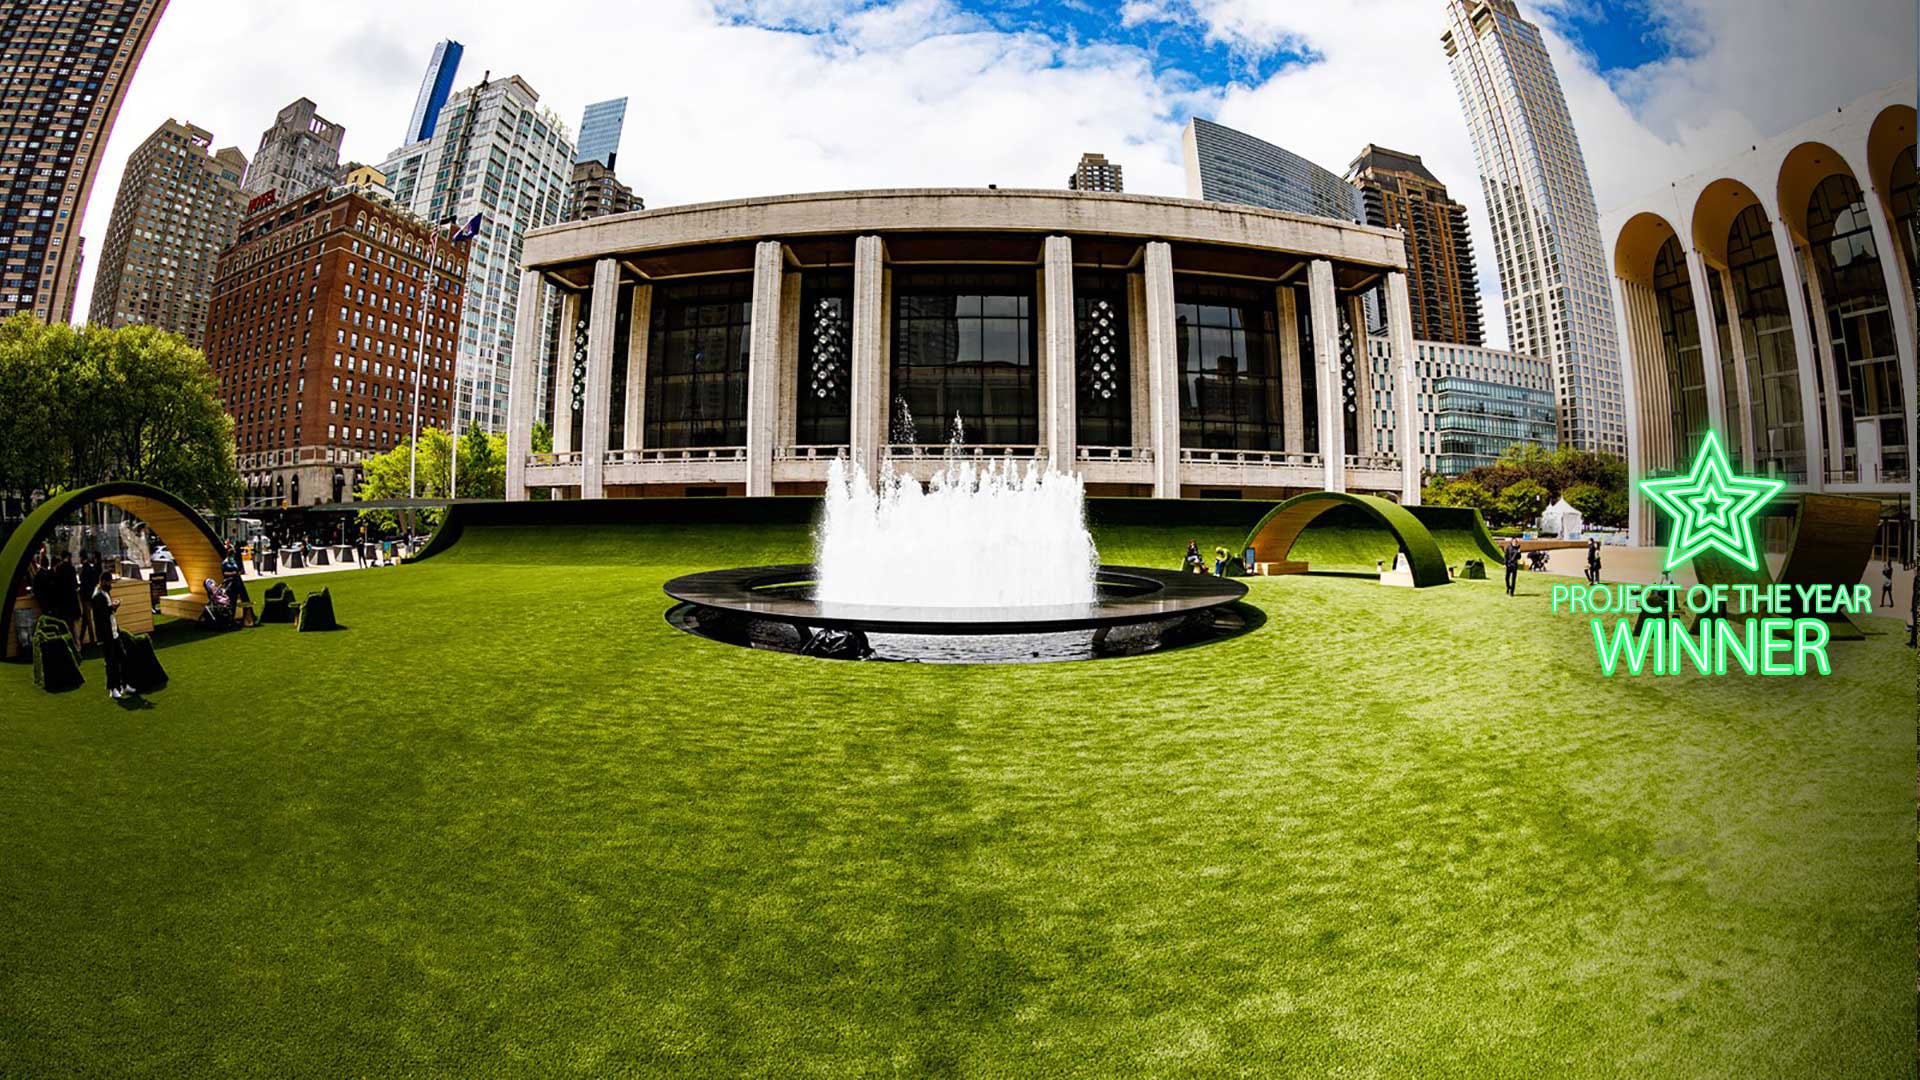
263, 200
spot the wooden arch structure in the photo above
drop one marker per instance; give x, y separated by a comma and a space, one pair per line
1275, 535
196, 548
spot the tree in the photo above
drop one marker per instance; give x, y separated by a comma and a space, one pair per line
483, 465
134, 403
1521, 502
1463, 493
386, 476
1589, 499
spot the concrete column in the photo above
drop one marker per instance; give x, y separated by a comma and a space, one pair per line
1406, 386
1324, 307
1893, 266
1163, 371
1805, 355
1830, 369
1710, 360
1139, 386
1749, 439
639, 341
522, 382
1057, 353
1637, 533
599, 396
763, 363
563, 374
1293, 413
788, 392
868, 404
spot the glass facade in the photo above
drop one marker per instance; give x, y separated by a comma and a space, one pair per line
1680, 341
1235, 167
963, 350
1476, 420
1735, 436
1229, 363
823, 396
1103, 401
1859, 323
1766, 333
697, 363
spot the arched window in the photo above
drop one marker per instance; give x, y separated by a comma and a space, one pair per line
1766, 332
1859, 324
1680, 340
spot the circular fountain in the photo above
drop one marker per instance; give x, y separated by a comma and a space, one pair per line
982, 565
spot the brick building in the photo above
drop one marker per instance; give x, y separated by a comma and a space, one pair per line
1397, 192
64, 66
314, 331
179, 205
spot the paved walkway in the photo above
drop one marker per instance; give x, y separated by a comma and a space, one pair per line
1642, 565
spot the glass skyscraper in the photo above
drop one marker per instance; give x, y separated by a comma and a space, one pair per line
1224, 165
600, 131
1546, 232
435, 85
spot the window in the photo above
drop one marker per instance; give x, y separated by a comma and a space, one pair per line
1103, 405
1229, 363
823, 393
697, 363
963, 351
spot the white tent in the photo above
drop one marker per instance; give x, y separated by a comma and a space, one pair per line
1562, 520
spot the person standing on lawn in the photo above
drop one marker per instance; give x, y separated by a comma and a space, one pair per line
107, 628
1512, 561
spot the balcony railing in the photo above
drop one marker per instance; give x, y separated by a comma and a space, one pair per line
909, 451
1871, 476
1114, 453
1190, 456
1373, 461
563, 457
677, 454
809, 453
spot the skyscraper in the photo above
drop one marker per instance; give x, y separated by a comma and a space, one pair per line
314, 395
1224, 165
1095, 173
435, 85
1546, 231
600, 128
1397, 192
496, 154
179, 204
300, 152
64, 66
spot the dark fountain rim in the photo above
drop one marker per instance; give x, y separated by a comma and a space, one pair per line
1151, 595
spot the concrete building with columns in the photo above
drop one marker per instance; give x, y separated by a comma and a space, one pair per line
1155, 346
1771, 299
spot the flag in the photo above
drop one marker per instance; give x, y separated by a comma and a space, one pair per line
468, 231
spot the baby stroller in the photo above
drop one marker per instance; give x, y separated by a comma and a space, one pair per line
219, 610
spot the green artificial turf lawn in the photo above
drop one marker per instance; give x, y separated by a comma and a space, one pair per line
508, 821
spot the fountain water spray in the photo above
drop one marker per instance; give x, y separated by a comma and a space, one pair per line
997, 535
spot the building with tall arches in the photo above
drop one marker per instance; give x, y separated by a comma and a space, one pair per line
1771, 298
1157, 347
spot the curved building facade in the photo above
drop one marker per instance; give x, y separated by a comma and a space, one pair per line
1157, 347
1224, 165
1771, 299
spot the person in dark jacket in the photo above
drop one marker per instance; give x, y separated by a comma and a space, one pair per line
89, 580
1593, 562
1512, 562
232, 583
108, 629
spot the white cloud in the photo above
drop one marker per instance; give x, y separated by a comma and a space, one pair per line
918, 92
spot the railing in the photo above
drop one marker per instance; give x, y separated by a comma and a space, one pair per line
941, 450
677, 453
1871, 476
809, 453
1373, 461
1114, 453
564, 457
1190, 456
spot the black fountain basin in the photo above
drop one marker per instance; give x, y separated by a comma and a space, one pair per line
772, 607
1126, 595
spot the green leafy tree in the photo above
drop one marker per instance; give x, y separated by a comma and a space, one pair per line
1463, 493
386, 476
1521, 502
133, 403
1589, 499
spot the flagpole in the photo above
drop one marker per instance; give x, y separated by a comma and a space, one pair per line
419, 364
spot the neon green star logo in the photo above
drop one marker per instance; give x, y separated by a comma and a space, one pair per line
1711, 507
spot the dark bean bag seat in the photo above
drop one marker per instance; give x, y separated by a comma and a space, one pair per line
56, 659
139, 667
317, 612
278, 606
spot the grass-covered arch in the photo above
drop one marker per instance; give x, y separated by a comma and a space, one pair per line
1274, 536
195, 546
